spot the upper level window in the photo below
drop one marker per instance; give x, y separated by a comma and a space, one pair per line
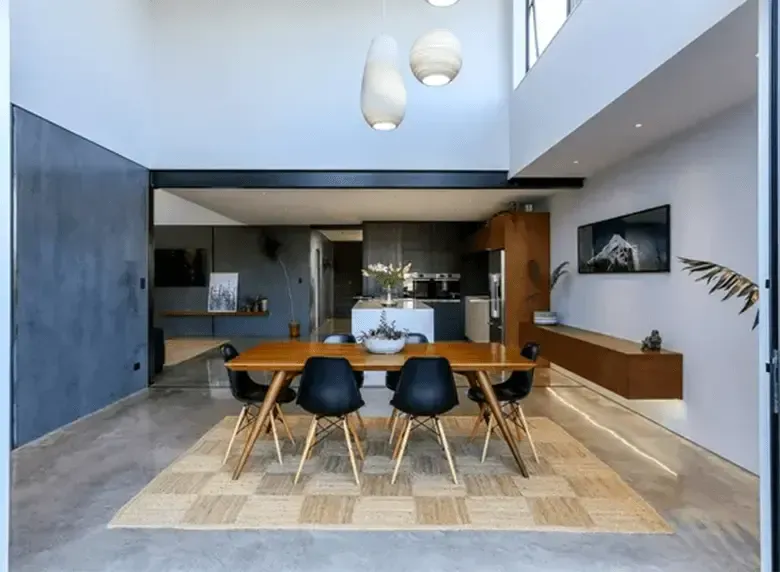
543, 20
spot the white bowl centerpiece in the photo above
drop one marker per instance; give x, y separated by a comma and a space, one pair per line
385, 338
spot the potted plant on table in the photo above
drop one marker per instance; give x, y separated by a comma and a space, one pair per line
388, 276
385, 338
545, 317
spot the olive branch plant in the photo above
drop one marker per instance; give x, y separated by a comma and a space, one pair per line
723, 279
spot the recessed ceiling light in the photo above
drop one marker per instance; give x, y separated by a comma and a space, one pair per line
576, 162
442, 3
638, 125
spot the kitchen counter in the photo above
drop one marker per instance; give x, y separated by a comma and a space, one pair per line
402, 304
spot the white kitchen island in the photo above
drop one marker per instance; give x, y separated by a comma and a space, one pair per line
411, 315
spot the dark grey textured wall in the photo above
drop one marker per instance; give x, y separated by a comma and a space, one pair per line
81, 250
236, 249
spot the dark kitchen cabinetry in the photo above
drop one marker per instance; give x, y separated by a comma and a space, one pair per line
448, 321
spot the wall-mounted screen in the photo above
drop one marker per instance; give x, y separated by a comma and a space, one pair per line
637, 242
180, 267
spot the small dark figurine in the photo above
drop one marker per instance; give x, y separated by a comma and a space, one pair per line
652, 343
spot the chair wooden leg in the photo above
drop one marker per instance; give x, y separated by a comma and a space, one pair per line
358, 444
393, 416
284, 422
477, 422
445, 445
394, 425
407, 423
306, 447
352, 460
235, 433
361, 422
527, 431
272, 422
514, 418
487, 438
402, 443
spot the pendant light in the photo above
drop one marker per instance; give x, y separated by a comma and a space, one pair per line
435, 57
442, 3
382, 93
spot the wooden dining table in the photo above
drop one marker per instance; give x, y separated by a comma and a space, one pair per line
476, 361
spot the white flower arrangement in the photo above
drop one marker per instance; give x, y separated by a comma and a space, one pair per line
388, 275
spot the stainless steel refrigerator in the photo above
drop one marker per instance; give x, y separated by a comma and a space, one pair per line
496, 277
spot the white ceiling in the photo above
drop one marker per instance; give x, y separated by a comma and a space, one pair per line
355, 206
714, 72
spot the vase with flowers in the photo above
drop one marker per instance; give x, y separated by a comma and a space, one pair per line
389, 277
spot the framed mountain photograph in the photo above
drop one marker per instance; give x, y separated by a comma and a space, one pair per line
636, 242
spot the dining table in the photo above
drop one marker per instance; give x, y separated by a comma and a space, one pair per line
286, 359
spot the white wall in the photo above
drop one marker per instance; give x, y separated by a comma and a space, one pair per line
172, 210
265, 84
603, 49
83, 65
709, 176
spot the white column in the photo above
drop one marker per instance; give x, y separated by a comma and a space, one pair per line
6, 290
763, 378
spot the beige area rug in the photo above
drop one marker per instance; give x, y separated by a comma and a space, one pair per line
569, 490
178, 350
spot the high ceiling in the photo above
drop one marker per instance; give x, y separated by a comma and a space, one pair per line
711, 74
354, 206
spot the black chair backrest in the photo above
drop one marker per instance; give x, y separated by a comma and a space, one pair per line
241, 385
522, 381
328, 387
339, 339
426, 388
416, 339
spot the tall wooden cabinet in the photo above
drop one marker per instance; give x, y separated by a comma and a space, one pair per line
525, 238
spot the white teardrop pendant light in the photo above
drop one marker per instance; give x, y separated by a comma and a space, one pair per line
435, 57
442, 3
382, 94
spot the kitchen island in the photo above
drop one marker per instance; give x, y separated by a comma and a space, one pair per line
412, 315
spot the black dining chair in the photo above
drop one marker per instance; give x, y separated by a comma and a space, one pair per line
252, 395
509, 394
426, 390
328, 391
359, 375
392, 377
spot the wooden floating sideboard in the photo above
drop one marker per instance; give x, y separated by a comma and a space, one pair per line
613, 363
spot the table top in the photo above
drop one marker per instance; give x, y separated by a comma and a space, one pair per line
463, 356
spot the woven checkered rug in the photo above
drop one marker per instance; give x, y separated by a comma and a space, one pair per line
570, 489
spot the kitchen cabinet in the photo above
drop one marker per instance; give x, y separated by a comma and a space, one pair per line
431, 247
448, 321
525, 238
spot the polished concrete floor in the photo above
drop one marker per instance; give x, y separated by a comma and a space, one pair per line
68, 486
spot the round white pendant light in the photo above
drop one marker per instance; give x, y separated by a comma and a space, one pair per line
435, 57
382, 94
442, 3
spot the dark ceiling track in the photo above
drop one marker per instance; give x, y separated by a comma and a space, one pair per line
248, 179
